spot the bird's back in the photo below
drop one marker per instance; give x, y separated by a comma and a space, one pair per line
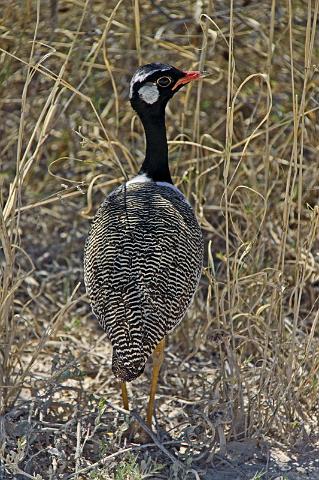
142, 264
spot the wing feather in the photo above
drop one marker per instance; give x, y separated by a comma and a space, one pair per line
143, 260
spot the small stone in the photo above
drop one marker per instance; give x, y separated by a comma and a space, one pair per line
284, 468
54, 451
301, 470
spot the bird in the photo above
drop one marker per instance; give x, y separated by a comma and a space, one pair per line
143, 256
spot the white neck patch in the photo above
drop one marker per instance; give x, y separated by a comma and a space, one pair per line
141, 178
149, 93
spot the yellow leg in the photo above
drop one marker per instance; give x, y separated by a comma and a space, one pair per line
158, 356
124, 395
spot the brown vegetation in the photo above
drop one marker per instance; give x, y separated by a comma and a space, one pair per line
243, 367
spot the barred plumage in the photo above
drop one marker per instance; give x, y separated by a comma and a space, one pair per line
142, 263
144, 253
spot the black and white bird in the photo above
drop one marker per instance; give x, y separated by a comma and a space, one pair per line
144, 252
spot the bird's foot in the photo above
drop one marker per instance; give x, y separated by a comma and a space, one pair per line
136, 433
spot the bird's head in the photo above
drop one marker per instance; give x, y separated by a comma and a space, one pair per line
154, 84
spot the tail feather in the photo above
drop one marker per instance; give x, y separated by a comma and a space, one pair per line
127, 368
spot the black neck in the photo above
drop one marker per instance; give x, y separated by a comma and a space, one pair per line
155, 164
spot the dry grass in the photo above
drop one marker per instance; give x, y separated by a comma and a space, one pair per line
243, 367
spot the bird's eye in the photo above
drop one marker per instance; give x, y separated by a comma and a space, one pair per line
164, 81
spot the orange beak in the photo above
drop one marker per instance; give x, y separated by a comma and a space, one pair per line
189, 77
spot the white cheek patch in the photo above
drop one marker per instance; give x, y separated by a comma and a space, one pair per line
149, 93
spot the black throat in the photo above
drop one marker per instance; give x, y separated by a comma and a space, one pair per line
155, 165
